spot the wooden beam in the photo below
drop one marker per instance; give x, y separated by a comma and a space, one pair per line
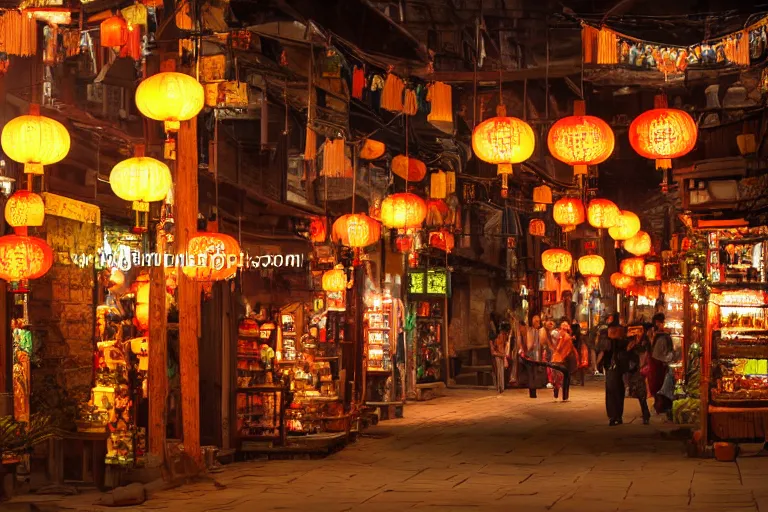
188, 290
557, 71
158, 343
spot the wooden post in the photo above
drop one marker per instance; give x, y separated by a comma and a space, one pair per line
158, 376
188, 290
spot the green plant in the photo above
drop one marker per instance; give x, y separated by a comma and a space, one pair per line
20, 437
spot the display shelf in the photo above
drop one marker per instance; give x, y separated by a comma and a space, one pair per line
263, 387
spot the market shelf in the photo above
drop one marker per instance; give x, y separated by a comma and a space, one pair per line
261, 387
733, 351
716, 409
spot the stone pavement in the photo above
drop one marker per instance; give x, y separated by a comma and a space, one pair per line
474, 450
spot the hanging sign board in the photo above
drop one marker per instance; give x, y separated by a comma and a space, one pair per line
433, 281
61, 206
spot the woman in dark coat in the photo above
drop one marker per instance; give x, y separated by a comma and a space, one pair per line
613, 359
638, 348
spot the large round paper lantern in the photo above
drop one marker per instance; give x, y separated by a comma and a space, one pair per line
408, 168
556, 260
24, 257
591, 265
621, 281
355, 230
216, 256
403, 211
602, 213
24, 208
568, 213
537, 227
113, 31
580, 140
663, 133
627, 226
503, 141
639, 245
372, 149
633, 267
141, 179
170, 97
35, 140
335, 280
652, 271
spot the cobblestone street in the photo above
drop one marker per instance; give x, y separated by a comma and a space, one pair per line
473, 450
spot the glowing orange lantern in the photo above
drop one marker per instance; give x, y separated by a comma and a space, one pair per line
24, 257
621, 281
335, 280
215, 257
592, 283
602, 213
627, 226
639, 245
542, 196
442, 240
580, 140
633, 267
503, 141
409, 169
591, 265
24, 208
663, 133
35, 140
556, 260
536, 227
170, 97
141, 180
372, 149
652, 271
568, 213
114, 31
355, 230
403, 211
318, 230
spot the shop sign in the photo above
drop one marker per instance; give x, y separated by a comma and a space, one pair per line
61, 206
125, 260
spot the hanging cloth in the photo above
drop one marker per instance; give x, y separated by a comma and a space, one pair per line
358, 83
437, 185
132, 47
441, 113
410, 106
333, 159
392, 95
18, 34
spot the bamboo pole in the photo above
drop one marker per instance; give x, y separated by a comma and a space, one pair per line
188, 290
158, 376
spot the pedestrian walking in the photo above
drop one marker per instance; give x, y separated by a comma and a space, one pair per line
498, 344
613, 359
638, 348
564, 360
659, 374
530, 354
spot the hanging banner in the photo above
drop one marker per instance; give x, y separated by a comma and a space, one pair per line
61, 206
604, 46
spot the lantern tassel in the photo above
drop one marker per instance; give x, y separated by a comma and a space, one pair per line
664, 163
33, 169
579, 170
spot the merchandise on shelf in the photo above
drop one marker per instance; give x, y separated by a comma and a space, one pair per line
429, 340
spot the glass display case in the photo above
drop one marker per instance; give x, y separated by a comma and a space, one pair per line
379, 350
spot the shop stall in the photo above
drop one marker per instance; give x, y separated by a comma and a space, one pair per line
429, 290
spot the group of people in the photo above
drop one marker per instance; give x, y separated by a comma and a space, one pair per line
635, 357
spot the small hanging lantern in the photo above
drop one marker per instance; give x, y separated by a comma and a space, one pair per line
335, 280
633, 267
24, 208
113, 32
142, 302
556, 260
621, 281
537, 227
355, 230
568, 213
503, 141
318, 230
652, 271
638, 245
542, 196
442, 240
35, 140
438, 187
591, 265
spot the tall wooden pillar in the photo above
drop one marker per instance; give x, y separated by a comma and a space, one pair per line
158, 345
188, 290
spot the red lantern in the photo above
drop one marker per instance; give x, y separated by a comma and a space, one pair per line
633, 267
568, 213
24, 257
355, 230
663, 133
621, 281
114, 31
142, 302
24, 208
216, 257
403, 211
580, 140
536, 227
442, 240
318, 230
335, 280
602, 213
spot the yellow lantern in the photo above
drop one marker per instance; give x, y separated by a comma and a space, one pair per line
568, 213
355, 230
556, 260
591, 265
639, 245
503, 141
621, 281
141, 180
602, 213
652, 271
170, 97
633, 267
24, 208
627, 226
335, 280
403, 211
35, 140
